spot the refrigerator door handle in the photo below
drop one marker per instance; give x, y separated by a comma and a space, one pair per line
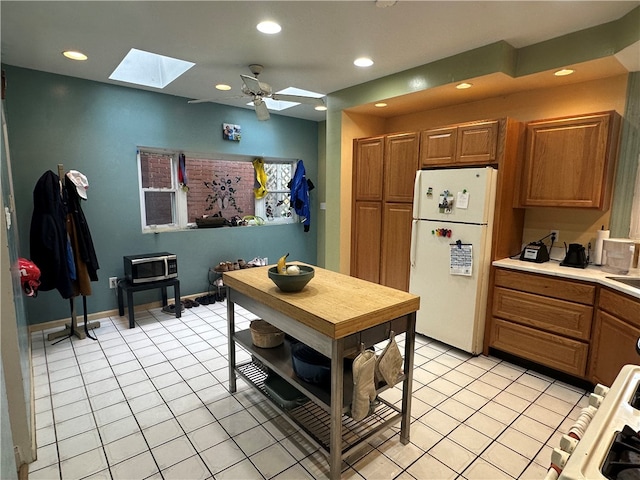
414, 242
416, 194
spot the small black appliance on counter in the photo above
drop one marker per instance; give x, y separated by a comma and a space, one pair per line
575, 256
535, 252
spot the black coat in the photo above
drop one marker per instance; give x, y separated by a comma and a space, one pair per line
48, 236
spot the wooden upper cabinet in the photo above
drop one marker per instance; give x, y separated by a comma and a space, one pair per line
570, 162
438, 146
400, 166
465, 144
368, 169
477, 143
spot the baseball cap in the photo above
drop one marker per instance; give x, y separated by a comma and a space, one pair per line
80, 181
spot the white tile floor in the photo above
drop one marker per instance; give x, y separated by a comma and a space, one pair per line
152, 402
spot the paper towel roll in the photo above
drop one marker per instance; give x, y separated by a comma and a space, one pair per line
601, 236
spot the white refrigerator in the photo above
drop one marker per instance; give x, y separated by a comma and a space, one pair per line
451, 253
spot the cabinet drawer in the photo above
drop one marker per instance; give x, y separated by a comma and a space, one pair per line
570, 290
550, 314
622, 306
561, 353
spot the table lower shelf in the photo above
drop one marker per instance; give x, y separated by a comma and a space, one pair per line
316, 422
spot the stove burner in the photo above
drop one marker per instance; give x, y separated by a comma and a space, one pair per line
623, 459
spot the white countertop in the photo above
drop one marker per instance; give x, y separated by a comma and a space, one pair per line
591, 274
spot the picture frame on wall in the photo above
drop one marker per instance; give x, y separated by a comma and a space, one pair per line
231, 132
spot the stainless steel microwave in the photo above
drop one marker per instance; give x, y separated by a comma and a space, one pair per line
150, 267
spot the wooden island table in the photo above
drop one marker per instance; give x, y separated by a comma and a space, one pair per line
334, 314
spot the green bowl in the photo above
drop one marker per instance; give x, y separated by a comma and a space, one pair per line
291, 283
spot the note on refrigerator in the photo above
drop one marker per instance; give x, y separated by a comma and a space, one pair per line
461, 261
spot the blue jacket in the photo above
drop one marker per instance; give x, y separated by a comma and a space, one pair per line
300, 195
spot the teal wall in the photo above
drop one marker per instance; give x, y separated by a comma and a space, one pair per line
95, 128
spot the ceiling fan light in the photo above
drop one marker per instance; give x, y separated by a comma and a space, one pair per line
363, 62
74, 55
269, 27
223, 86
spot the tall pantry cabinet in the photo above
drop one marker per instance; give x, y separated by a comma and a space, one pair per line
384, 171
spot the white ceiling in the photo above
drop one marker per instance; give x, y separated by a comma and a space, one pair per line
314, 51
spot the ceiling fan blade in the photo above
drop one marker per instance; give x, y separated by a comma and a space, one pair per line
262, 112
202, 100
252, 84
298, 99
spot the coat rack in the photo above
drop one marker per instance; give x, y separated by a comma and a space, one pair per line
71, 329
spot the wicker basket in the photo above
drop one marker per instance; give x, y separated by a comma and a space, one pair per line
265, 335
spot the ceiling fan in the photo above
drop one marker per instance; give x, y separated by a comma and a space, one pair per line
259, 91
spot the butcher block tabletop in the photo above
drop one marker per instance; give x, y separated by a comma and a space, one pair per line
333, 304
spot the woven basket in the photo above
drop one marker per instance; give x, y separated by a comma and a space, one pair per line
265, 335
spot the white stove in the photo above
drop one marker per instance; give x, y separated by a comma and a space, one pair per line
598, 446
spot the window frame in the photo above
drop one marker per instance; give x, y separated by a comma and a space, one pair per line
179, 199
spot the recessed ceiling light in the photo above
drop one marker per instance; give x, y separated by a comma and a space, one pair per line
464, 85
74, 55
380, 105
564, 72
321, 108
269, 27
223, 86
363, 62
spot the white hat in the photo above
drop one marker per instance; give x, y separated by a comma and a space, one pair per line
80, 181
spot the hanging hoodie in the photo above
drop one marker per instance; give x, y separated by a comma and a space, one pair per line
48, 237
300, 188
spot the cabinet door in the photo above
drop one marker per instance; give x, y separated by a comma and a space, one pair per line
400, 165
368, 169
567, 162
365, 241
477, 143
612, 347
396, 245
438, 146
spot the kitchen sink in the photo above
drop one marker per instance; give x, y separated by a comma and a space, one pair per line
634, 281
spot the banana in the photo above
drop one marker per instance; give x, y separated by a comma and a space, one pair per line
282, 265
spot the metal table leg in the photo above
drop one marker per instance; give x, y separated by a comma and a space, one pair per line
407, 385
231, 328
337, 392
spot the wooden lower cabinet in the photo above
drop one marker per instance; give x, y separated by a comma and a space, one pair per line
615, 335
396, 243
365, 244
543, 319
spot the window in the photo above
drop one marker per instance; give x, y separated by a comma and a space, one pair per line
214, 187
275, 206
157, 189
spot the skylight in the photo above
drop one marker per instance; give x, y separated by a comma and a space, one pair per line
149, 69
278, 105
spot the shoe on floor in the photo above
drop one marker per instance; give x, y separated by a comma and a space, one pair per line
171, 308
188, 303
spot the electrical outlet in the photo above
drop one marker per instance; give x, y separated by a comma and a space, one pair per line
555, 235
113, 282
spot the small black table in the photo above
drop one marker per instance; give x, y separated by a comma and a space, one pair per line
127, 286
